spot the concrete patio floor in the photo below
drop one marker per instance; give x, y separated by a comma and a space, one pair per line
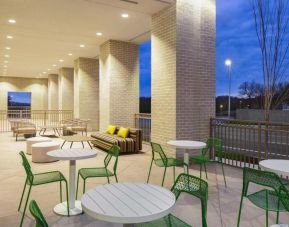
223, 203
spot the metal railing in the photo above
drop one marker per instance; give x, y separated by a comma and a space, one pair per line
143, 122
37, 117
247, 142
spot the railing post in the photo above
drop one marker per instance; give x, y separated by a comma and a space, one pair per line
259, 142
45, 118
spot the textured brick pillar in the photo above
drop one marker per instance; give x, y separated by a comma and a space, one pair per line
86, 91
53, 92
119, 83
183, 70
65, 84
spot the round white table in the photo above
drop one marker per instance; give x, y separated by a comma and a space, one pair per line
187, 145
72, 155
128, 203
278, 166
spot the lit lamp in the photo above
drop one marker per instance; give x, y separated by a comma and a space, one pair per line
228, 64
221, 107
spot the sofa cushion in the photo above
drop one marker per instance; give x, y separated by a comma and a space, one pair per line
111, 129
123, 132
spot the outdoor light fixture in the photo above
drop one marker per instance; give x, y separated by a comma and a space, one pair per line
61, 60
99, 34
9, 37
7, 48
12, 21
82, 45
69, 54
124, 15
228, 63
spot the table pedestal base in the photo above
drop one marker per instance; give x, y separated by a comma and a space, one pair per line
61, 209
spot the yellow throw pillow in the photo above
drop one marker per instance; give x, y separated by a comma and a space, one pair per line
111, 129
123, 132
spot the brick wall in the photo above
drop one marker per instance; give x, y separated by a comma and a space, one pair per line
119, 83
183, 70
86, 91
65, 82
53, 92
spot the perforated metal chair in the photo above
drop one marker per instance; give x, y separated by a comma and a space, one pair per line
164, 161
192, 185
39, 179
275, 197
37, 214
104, 171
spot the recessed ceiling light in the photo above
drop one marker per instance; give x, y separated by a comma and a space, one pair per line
12, 21
7, 48
54, 65
61, 60
44, 72
48, 69
9, 37
82, 45
99, 34
124, 15
6, 56
69, 54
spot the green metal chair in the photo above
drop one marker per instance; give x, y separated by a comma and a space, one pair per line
100, 171
203, 159
188, 184
37, 214
39, 179
164, 161
275, 197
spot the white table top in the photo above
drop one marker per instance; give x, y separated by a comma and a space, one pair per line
128, 203
278, 166
187, 144
39, 138
72, 154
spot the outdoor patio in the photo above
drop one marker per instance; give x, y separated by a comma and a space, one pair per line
223, 203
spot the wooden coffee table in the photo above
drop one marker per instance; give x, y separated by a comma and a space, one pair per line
77, 138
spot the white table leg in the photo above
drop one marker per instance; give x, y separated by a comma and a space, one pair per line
186, 159
74, 206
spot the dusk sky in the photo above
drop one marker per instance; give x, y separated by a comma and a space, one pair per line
236, 39
21, 97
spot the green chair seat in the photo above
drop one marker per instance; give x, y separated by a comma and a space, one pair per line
95, 172
170, 162
259, 199
200, 159
168, 221
48, 177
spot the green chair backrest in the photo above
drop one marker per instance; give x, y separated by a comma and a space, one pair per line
266, 179
213, 143
112, 152
157, 149
37, 214
194, 186
27, 167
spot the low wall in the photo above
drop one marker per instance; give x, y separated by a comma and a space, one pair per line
258, 115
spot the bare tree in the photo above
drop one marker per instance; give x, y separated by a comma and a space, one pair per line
272, 23
251, 89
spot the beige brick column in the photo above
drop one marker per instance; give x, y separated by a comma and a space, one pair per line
65, 84
86, 91
119, 83
53, 92
183, 70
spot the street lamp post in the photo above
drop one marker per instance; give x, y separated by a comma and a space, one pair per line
228, 63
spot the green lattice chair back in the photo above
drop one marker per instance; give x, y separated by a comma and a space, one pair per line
37, 214
195, 187
267, 179
27, 167
113, 152
157, 149
213, 143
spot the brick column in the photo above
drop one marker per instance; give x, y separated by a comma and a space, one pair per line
183, 70
65, 82
86, 91
52, 92
119, 83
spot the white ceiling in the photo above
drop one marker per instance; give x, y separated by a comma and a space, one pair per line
47, 30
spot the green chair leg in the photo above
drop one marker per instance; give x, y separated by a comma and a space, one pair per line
108, 180
201, 171
174, 173
60, 188
116, 178
223, 173
83, 191
164, 176
150, 171
206, 171
267, 224
240, 209
24, 211
67, 198
22, 195
77, 186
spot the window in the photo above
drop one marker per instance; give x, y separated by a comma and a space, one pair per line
19, 101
